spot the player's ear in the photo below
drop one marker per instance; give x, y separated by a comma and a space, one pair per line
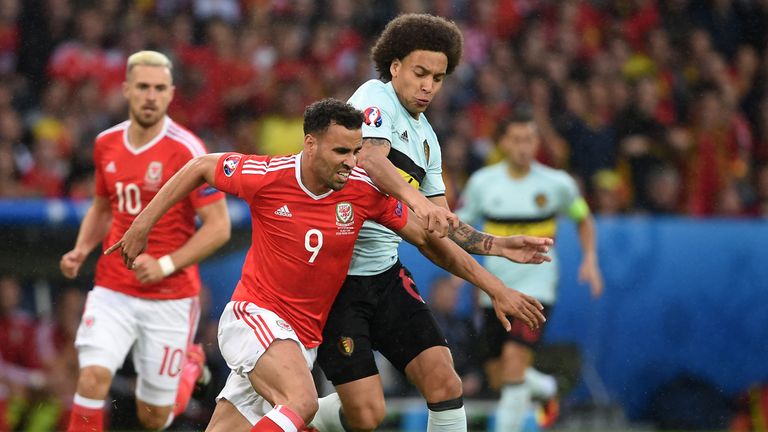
310, 142
394, 67
126, 88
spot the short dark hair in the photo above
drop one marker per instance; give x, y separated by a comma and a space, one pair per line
319, 116
411, 32
519, 116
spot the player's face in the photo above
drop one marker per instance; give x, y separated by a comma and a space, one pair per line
335, 154
417, 78
149, 90
520, 143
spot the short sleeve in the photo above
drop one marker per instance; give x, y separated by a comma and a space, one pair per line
372, 99
204, 195
101, 185
240, 175
569, 193
394, 214
433, 184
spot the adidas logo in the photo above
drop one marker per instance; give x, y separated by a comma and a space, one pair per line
110, 167
404, 136
283, 211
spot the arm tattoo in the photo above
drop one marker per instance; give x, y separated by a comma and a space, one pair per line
470, 239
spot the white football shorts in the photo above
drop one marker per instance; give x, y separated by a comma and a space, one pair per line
158, 330
245, 332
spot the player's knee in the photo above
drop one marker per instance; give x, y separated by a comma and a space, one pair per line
93, 382
153, 419
366, 416
441, 383
306, 407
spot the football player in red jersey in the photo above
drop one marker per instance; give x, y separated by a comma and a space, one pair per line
307, 210
154, 306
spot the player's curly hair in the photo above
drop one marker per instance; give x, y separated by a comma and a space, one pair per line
411, 32
319, 115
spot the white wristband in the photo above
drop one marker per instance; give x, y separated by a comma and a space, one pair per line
166, 265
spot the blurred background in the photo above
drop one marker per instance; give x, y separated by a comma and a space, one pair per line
658, 108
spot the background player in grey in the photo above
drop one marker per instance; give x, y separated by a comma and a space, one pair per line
379, 307
522, 195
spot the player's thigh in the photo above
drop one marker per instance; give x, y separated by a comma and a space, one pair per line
227, 418
107, 330
281, 375
404, 326
346, 353
247, 334
166, 328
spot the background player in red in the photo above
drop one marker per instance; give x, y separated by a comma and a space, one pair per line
305, 222
133, 160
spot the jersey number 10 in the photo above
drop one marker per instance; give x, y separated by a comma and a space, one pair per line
128, 198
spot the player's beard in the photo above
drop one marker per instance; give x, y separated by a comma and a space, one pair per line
147, 121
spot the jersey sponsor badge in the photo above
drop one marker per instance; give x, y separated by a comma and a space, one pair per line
230, 164
111, 168
346, 346
154, 175
373, 116
540, 199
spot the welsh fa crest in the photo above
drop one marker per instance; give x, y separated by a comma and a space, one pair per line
154, 176
345, 215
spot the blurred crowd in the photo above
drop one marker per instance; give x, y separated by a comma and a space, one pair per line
654, 106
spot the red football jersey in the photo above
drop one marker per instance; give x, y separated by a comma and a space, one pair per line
130, 178
301, 242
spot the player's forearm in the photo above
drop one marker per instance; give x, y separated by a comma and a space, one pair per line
449, 256
587, 237
474, 241
387, 179
94, 227
213, 233
196, 172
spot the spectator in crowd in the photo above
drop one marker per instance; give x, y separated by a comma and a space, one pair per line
573, 61
21, 369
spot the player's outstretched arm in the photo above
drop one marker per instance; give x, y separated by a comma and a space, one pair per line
94, 227
589, 269
518, 248
373, 159
446, 254
196, 172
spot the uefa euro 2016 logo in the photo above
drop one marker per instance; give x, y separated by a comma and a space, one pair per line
372, 116
230, 164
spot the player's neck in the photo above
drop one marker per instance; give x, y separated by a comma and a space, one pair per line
139, 136
517, 171
309, 180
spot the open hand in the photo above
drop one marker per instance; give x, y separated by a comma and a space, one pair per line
518, 305
525, 249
